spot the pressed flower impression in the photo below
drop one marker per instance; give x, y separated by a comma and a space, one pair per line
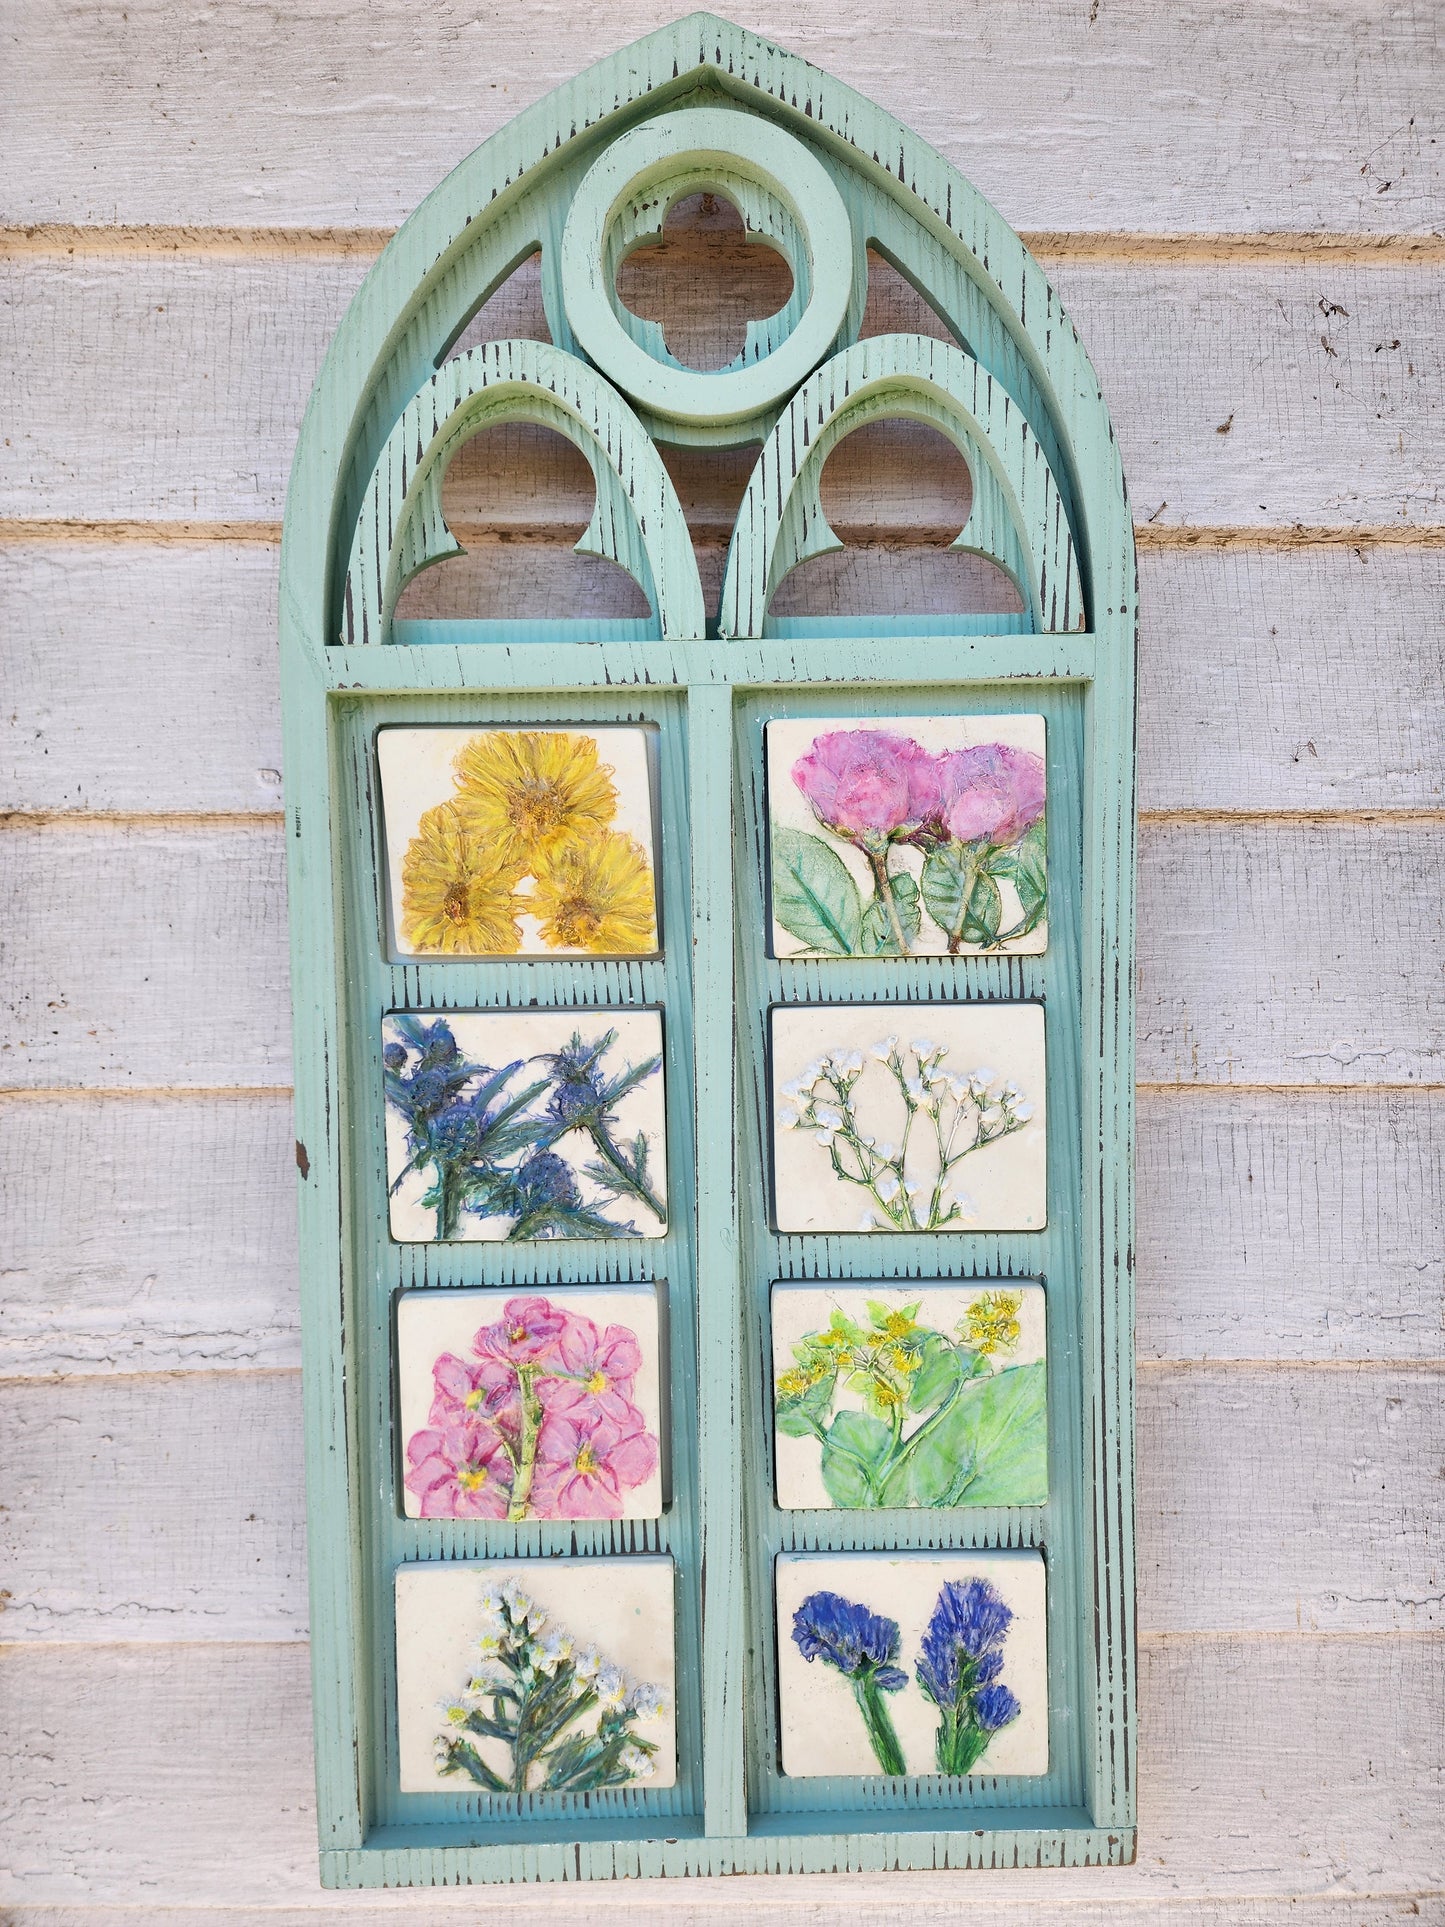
536, 1676
530, 1405
530, 842
912, 1662
524, 1125
929, 1395
908, 1117
907, 836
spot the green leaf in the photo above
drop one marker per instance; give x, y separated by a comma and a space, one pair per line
962, 899
799, 1418
936, 1377
876, 936
814, 897
991, 1448
853, 1453
1025, 865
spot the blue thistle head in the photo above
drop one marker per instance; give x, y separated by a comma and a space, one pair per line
578, 1085
545, 1179
850, 1637
438, 1073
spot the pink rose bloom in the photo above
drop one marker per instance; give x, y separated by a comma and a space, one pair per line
470, 1389
460, 1471
602, 1369
868, 784
585, 1461
526, 1333
991, 794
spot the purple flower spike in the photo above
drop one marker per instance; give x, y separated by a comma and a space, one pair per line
965, 1633
828, 1627
869, 785
991, 794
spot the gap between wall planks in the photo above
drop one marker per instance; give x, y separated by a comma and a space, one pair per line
1290, 1174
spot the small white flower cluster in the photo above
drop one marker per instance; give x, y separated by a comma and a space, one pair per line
818, 1110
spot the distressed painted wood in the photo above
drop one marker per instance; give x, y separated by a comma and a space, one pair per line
1280, 679
1061, 115
1303, 1226
1316, 1793
1252, 971
364, 512
120, 349
1343, 1491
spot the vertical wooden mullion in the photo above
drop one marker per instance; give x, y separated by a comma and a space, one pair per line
720, 1419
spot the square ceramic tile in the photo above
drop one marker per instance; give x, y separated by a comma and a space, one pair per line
907, 836
587, 1644
527, 1124
536, 1404
913, 1662
924, 1394
908, 1117
537, 841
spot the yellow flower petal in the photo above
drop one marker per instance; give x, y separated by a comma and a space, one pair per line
526, 791
454, 897
595, 893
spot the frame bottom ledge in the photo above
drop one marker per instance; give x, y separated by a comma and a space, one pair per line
397, 1856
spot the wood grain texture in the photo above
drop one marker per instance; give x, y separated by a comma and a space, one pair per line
932, 1900
1252, 1782
1270, 679
1294, 953
1307, 1225
200, 1535
148, 1234
1270, 119
173, 388
1298, 1227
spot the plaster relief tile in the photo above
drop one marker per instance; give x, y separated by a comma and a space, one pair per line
537, 841
907, 836
908, 1117
595, 1635
542, 1404
524, 1125
925, 1394
912, 1662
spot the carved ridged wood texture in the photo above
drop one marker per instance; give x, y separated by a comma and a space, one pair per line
365, 514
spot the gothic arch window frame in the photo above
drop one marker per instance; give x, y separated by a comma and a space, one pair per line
1021, 400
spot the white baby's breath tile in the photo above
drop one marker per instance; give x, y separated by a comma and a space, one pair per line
909, 1117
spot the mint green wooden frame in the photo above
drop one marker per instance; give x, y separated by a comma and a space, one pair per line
1022, 402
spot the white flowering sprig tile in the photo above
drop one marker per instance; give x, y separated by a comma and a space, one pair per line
544, 1404
524, 1125
913, 1662
536, 841
908, 836
909, 1117
926, 1394
536, 1676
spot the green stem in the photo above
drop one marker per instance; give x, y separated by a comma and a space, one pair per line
878, 863
527, 1451
882, 1735
955, 937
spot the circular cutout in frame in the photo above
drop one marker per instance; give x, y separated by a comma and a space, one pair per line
784, 196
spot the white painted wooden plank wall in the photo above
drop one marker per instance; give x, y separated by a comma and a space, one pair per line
1242, 204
